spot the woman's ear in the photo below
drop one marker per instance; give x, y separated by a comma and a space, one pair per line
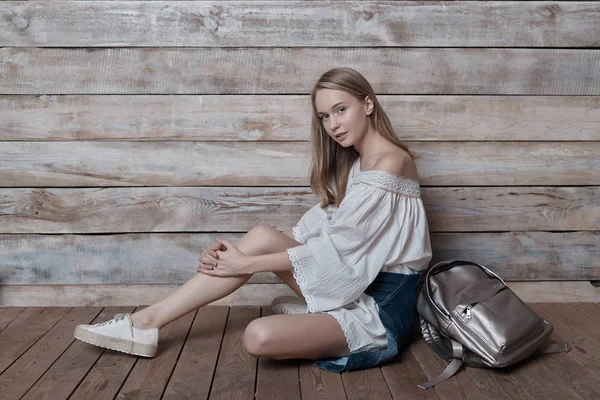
368, 105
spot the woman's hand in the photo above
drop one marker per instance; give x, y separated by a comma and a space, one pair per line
208, 260
231, 262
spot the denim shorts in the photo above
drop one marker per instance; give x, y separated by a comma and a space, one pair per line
396, 296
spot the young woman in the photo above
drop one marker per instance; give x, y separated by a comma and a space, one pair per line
355, 257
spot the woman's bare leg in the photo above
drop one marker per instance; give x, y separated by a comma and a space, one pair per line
287, 276
204, 289
312, 336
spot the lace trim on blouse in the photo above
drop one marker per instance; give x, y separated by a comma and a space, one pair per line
297, 234
350, 338
389, 181
300, 279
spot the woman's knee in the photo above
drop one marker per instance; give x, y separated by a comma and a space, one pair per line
263, 230
263, 234
271, 240
257, 338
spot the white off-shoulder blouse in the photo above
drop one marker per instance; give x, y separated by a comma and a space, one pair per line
380, 225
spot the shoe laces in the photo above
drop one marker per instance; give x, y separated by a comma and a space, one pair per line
118, 317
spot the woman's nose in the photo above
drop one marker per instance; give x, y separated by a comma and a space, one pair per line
333, 125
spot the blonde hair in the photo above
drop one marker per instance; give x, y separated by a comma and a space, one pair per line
331, 163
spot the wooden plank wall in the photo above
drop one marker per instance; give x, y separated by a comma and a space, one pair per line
134, 133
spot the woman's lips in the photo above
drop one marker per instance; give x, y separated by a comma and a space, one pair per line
342, 136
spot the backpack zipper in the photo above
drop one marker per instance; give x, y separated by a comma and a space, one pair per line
469, 311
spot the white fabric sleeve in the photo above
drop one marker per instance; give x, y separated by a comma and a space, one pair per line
309, 221
336, 267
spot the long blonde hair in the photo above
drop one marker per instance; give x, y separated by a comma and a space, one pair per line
331, 163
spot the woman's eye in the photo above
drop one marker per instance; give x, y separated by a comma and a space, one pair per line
341, 108
323, 117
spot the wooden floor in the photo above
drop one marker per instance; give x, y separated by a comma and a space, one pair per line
201, 356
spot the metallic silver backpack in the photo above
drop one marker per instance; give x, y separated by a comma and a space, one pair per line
468, 315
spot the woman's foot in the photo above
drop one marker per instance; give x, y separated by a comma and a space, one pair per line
120, 334
288, 305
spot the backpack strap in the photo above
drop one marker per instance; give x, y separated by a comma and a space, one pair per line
555, 348
455, 364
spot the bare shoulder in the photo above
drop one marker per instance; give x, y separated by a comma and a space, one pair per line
398, 163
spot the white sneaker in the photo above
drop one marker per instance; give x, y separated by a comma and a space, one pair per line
288, 305
120, 334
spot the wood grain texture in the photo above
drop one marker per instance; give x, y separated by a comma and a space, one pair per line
26, 330
403, 374
497, 384
59, 381
8, 314
24, 372
570, 372
430, 365
249, 294
236, 369
170, 163
224, 209
231, 209
277, 379
196, 365
578, 321
107, 375
287, 117
365, 384
590, 310
482, 71
173, 258
512, 208
541, 382
149, 377
556, 292
319, 384
584, 350
81, 372
340, 24
127, 295
463, 386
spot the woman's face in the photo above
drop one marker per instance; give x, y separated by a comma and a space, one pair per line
340, 112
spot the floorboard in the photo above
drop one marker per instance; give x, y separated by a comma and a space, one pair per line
201, 356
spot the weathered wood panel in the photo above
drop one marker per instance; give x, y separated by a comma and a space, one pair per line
541, 382
365, 384
585, 349
294, 70
339, 24
277, 379
403, 374
25, 331
169, 163
27, 369
7, 315
88, 372
150, 376
173, 258
287, 118
431, 366
106, 377
570, 372
195, 368
151, 209
249, 294
230, 209
235, 372
59, 381
319, 384
262, 53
